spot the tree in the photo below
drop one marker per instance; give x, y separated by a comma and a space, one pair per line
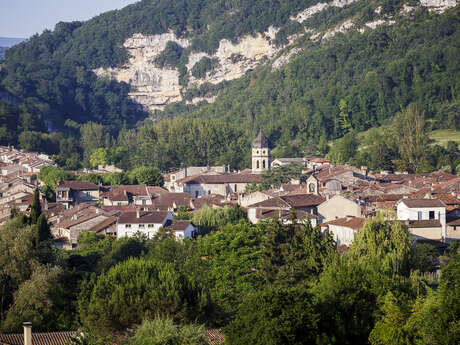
43, 230
163, 331
134, 290
98, 157
275, 316
35, 301
411, 134
147, 175
36, 209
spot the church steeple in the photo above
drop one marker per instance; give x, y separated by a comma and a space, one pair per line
260, 154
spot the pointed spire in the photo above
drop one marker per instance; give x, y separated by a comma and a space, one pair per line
260, 141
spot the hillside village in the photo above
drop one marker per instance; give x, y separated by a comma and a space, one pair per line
338, 198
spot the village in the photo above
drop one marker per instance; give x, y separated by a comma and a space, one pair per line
338, 198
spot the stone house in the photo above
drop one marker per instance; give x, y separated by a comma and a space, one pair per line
338, 207
343, 230
70, 193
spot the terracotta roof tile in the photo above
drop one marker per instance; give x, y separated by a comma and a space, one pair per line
349, 222
152, 217
222, 178
423, 203
78, 185
179, 225
215, 336
51, 338
426, 223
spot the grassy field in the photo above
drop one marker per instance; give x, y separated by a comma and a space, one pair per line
442, 136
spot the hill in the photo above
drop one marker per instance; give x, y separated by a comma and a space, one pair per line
300, 69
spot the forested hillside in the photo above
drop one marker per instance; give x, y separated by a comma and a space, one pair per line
349, 82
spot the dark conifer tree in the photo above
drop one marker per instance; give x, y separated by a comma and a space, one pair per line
36, 209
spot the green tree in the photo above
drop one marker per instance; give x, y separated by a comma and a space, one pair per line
411, 134
275, 316
99, 156
147, 175
163, 331
36, 208
134, 290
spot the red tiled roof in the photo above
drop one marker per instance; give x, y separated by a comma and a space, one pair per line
349, 222
303, 200
215, 336
124, 208
271, 203
51, 338
426, 223
166, 200
179, 225
222, 178
385, 197
288, 201
77, 185
423, 203
156, 190
151, 217
104, 224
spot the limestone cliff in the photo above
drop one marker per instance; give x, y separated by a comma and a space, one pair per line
156, 87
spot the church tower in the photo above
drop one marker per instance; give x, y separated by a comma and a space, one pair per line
260, 154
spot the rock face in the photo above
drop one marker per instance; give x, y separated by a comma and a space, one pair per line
155, 87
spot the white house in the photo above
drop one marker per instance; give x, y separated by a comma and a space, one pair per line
181, 229
147, 223
426, 217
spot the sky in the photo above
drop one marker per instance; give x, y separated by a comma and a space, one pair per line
24, 18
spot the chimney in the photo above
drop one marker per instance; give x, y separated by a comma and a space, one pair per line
27, 333
138, 215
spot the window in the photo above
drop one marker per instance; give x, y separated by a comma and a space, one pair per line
236, 188
419, 214
431, 215
119, 203
142, 226
196, 194
209, 192
263, 152
257, 151
150, 225
127, 225
263, 164
257, 164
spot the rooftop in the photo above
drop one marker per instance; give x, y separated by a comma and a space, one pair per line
421, 203
260, 141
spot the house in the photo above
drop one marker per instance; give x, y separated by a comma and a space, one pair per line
126, 195
343, 230
171, 178
280, 162
29, 338
221, 184
338, 207
181, 229
142, 222
171, 201
70, 193
68, 226
280, 206
426, 218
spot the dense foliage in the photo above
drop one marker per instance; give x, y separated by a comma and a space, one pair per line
270, 283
